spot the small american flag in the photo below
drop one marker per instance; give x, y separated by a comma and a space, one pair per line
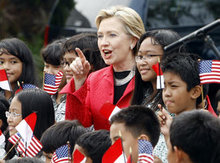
52, 82
31, 151
209, 71
26, 86
61, 155
145, 150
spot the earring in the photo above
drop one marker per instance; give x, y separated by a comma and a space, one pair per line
131, 47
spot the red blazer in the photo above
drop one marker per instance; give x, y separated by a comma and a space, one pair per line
85, 103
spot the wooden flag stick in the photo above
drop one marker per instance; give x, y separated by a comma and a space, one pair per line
69, 155
203, 102
120, 137
130, 152
12, 148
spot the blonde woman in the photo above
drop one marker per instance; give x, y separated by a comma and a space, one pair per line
119, 29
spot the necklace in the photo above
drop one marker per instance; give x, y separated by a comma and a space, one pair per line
120, 82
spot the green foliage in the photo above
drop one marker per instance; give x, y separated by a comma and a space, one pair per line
35, 46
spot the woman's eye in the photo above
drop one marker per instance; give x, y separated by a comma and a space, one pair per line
112, 35
1, 62
13, 62
100, 36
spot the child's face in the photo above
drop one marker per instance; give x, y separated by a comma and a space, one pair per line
127, 139
13, 67
175, 95
150, 54
68, 58
15, 115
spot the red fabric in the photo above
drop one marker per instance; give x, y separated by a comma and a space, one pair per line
85, 103
209, 107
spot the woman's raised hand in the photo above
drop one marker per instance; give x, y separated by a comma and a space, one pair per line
80, 67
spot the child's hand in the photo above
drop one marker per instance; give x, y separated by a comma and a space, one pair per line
165, 121
80, 68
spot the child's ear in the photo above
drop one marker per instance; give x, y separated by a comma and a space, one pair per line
144, 137
181, 156
196, 92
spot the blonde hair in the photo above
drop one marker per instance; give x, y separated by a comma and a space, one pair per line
133, 23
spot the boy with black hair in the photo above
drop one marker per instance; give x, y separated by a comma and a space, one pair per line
194, 138
182, 82
93, 145
134, 123
182, 90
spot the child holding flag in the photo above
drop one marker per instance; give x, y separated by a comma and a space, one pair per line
54, 77
135, 125
24, 104
182, 90
16, 60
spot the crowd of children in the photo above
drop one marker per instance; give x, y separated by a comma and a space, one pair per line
175, 124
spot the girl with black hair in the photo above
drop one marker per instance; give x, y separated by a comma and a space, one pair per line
150, 48
23, 104
16, 59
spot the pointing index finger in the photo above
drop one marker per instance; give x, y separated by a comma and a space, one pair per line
81, 55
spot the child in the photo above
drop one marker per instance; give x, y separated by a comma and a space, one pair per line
52, 56
194, 138
93, 145
135, 123
182, 86
58, 135
23, 104
16, 59
182, 83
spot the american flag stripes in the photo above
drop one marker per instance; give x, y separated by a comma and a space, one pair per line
61, 155
30, 151
145, 150
209, 71
52, 82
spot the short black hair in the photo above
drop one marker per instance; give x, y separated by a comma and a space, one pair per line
139, 120
95, 144
52, 53
60, 133
185, 65
197, 133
